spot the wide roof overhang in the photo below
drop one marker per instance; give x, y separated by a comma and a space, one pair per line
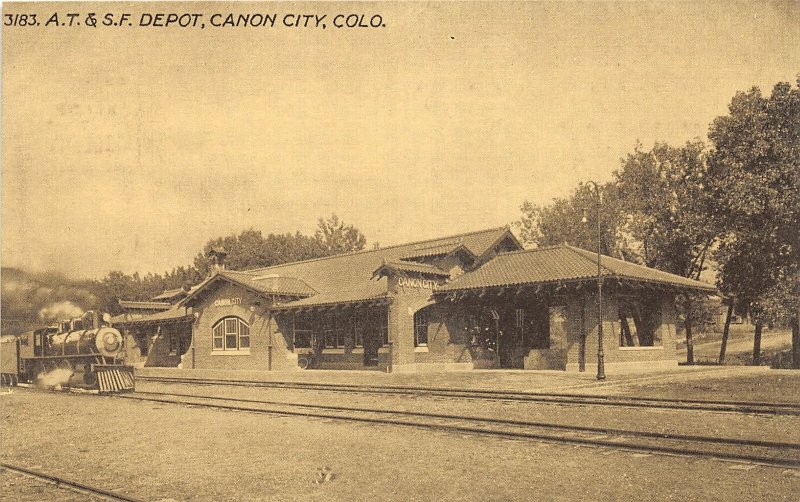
565, 266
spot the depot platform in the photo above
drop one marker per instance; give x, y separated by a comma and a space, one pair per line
500, 380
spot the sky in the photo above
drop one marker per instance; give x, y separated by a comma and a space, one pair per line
127, 148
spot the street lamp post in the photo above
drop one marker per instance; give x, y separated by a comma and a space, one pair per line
601, 370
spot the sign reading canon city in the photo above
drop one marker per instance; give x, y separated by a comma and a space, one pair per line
227, 302
416, 283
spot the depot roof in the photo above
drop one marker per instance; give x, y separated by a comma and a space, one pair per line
388, 267
348, 278
347, 271
364, 293
174, 314
169, 294
562, 263
260, 283
136, 305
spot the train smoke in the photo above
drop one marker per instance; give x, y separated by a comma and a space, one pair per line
60, 310
29, 299
54, 378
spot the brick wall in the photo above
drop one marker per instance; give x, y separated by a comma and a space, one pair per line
263, 332
157, 341
662, 355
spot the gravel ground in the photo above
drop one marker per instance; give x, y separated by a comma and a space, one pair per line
20, 488
697, 382
166, 451
764, 427
513, 380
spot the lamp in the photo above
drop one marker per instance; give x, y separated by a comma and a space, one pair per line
601, 371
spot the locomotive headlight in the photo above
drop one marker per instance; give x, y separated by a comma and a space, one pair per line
111, 341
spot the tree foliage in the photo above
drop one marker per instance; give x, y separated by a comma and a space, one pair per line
335, 237
755, 165
664, 198
250, 249
561, 221
654, 212
737, 201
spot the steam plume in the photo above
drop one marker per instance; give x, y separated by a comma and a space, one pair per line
57, 377
60, 310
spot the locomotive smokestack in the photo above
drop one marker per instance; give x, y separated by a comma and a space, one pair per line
217, 256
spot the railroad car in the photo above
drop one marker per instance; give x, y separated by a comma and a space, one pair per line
83, 352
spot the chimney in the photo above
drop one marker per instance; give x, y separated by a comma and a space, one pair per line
217, 256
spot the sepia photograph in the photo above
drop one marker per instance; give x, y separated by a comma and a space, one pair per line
400, 251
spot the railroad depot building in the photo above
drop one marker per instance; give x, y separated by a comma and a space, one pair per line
470, 301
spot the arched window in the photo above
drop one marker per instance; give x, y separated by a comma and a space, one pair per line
421, 329
231, 333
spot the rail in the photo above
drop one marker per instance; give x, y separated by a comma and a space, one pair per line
748, 407
70, 484
769, 453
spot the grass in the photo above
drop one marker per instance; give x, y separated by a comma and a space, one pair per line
739, 350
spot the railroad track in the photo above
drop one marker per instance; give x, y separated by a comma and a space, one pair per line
501, 395
75, 486
769, 453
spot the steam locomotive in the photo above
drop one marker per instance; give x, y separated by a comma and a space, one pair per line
84, 352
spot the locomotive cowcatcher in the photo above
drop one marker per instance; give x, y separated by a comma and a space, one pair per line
83, 352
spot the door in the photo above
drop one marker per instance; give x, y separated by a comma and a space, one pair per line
510, 338
371, 346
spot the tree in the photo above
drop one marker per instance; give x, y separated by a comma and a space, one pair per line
335, 237
755, 169
665, 201
654, 213
561, 221
731, 305
251, 249
120, 286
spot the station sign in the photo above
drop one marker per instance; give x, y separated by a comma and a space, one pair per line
227, 302
416, 283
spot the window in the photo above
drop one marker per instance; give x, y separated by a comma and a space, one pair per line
302, 331
358, 331
333, 330
369, 322
230, 333
173, 345
421, 329
639, 322
382, 316
385, 325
